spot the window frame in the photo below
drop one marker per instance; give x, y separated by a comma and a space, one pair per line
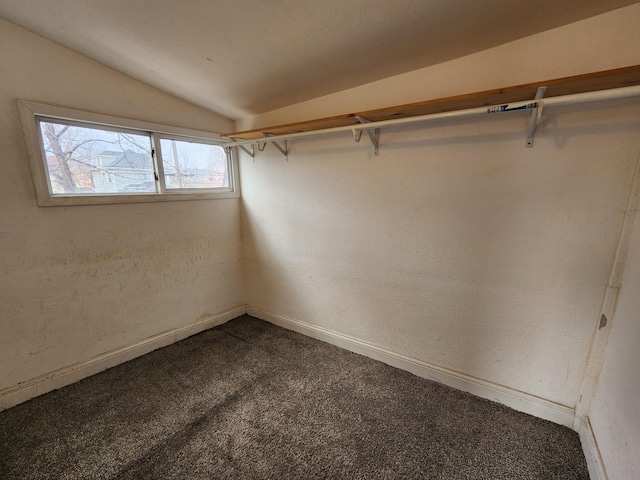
156, 139
31, 113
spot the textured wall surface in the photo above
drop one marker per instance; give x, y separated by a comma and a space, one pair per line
83, 280
614, 412
456, 246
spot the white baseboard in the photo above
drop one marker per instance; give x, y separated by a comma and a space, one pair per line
515, 399
591, 450
67, 375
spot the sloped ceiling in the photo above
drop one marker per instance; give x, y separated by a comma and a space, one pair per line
243, 57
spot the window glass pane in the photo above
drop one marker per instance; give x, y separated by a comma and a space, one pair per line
193, 165
87, 160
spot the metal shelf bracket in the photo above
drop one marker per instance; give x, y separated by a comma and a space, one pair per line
251, 153
536, 113
284, 150
533, 104
373, 136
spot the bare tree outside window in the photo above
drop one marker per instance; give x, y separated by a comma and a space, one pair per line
88, 158
83, 160
193, 164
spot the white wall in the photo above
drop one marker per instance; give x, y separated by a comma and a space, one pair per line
81, 281
614, 412
456, 246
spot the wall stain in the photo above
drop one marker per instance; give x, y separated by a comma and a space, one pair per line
603, 322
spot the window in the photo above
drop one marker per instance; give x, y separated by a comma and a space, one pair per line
187, 164
80, 158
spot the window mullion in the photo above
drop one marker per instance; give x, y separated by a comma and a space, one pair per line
83, 158
158, 164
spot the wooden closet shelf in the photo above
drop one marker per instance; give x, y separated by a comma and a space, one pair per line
604, 80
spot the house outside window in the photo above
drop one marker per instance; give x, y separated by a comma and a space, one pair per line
83, 158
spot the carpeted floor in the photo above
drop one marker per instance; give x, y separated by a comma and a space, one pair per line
251, 400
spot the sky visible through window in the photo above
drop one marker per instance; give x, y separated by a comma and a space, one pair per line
87, 160
193, 165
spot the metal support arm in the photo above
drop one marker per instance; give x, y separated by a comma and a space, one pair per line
373, 136
251, 152
570, 99
536, 113
284, 150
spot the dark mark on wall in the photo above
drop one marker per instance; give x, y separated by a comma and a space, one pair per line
603, 322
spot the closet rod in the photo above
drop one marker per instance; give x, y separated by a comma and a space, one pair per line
598, 95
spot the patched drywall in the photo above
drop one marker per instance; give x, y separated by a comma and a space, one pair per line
614, 410
457, 246
80, 281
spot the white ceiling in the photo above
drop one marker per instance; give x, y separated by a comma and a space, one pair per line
242, 57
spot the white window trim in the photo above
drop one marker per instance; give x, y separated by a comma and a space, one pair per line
29, 111
156, 138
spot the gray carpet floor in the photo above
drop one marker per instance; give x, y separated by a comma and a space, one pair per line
250, 400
